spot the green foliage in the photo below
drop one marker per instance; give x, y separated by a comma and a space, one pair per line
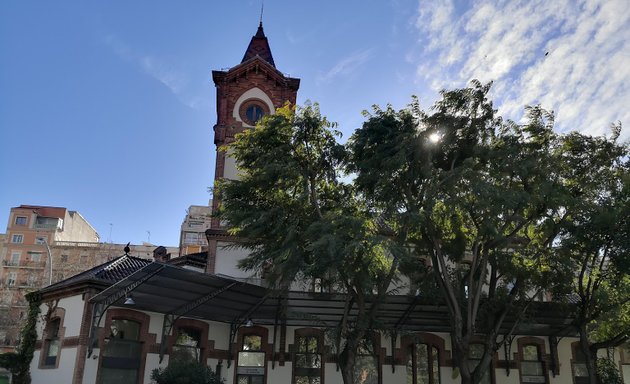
292, 206
185, 371
479, 197
596, 236
301, 220
481, 213
18, 363
608, 372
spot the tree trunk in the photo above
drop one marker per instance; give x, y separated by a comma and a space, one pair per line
347, 361
461, 361
590, 356
466, 378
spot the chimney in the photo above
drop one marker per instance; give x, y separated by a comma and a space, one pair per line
160, 255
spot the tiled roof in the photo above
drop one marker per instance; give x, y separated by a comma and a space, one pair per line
195, 259
110, 272
259, 46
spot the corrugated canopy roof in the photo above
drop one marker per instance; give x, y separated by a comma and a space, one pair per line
168, 289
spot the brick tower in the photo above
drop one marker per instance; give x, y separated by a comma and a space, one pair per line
245, 93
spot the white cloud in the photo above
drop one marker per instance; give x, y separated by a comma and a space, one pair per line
347, 65
175, 80
570, 56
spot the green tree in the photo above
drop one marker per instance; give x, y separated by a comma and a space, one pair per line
476, 197
19, 363
460, 201
300, 221
596, 239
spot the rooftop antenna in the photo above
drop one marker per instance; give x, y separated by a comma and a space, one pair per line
149, 237
262, 7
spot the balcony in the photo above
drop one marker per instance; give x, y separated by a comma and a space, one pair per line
24, 264
45, 226
51, 223
80, 244
9, 263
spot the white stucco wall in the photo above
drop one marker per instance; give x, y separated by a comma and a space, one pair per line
219, 334
226, 261
91, 367
61, 375
230, 171
74, 310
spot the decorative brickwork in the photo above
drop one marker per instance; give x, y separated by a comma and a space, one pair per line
255, 81
84, 337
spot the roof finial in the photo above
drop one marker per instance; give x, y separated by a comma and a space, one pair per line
262, 7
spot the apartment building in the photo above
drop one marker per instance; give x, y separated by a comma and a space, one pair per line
31, 232
39, 234
192, 237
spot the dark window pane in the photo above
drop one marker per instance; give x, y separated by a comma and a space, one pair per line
187, 345
125, 329
530, 352
118, 376
252, 343
121, 353
254, 113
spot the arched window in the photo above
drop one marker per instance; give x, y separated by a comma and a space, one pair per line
423, 353
187, 345
189, 340
124, 341
122, 353
532, 370
531, 360
423, 364
52, 343
251, 361
52, 339
308, 356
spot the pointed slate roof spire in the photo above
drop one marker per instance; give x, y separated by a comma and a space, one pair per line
259, 46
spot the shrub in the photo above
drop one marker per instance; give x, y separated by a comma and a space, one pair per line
607, 372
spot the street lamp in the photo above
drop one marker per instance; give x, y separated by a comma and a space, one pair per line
45, 238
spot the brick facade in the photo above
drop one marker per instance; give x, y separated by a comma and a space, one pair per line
256, 72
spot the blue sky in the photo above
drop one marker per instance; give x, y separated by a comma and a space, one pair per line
107, 108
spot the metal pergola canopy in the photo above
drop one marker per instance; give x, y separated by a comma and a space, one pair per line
177, 291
